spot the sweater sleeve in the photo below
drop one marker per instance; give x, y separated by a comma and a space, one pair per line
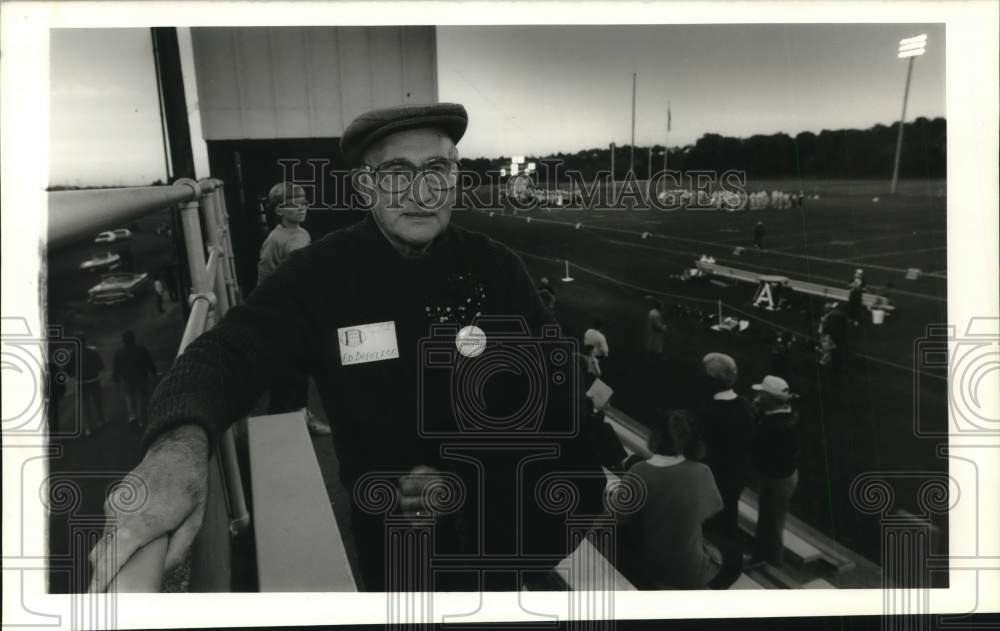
222, 374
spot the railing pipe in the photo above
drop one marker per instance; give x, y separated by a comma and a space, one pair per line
143, 572
196, 321
193, 241
234, 484
77, 215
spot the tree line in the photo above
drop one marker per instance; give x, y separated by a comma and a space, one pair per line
842, 153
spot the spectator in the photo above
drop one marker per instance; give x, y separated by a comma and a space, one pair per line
780, 348
547, 292
758, 235
655, 328
594, 336
664, 545
161, 293
592, 365
88, 383
833, 327
602, 437
726, 425
855, 303
132, 368
289, 392
775, 458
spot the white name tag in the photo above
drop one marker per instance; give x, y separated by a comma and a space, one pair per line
365, 343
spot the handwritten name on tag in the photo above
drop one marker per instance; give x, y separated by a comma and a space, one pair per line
365, 343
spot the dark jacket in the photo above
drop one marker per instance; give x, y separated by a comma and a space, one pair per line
133, 365
776, 444
727, 427
393, 414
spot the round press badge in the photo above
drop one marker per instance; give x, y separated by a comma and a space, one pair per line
470, 341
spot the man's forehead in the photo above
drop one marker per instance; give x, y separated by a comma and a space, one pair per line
415, 145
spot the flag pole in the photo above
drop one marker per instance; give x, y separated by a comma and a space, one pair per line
631, 155
666, 144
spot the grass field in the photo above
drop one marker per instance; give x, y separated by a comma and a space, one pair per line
856, 422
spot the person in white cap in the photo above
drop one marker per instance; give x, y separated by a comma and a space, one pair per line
775, 458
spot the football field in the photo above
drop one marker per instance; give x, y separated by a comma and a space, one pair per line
874, 416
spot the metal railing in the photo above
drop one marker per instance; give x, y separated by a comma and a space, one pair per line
75, 215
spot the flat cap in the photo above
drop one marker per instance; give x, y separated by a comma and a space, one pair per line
451, 118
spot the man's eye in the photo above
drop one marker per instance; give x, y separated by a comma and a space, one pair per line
444, 168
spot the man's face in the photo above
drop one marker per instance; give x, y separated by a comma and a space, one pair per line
412, 215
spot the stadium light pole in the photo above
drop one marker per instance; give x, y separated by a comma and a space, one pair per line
909, 48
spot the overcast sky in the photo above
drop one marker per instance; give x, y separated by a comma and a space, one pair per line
539, 89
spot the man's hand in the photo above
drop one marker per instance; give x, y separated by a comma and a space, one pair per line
174, 477
411, 489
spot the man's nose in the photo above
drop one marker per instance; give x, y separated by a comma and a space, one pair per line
422, 192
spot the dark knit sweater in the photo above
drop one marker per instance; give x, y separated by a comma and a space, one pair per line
776, 445
727, 428
398, 413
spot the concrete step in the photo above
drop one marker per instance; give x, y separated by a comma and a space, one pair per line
745, 582
798, 549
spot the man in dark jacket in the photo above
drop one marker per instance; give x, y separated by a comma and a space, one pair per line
88, 383
775, 458
726, 425
378, 314
133, 368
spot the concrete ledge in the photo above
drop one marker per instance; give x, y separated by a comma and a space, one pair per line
299, 548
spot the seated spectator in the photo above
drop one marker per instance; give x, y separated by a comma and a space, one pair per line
595, 337
661, 545
601, 436
590, 356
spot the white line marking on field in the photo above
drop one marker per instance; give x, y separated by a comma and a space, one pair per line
884, 254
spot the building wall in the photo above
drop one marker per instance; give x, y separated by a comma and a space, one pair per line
307, 82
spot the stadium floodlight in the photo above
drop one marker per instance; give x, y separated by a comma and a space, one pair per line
517, 160
503, 172
909, 48
531, 166
912, 46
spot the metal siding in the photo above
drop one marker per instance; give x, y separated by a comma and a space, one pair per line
324, 73
291, 82
355, 71
259, 83
387, 64
253, 61
218, 89
419, 57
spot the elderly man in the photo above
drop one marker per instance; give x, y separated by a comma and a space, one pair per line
775, 458
375, 313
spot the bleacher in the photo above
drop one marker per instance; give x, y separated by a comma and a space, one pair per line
829, 292
814, 561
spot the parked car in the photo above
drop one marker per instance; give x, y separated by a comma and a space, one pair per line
113, 236
103, 262
115, 288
